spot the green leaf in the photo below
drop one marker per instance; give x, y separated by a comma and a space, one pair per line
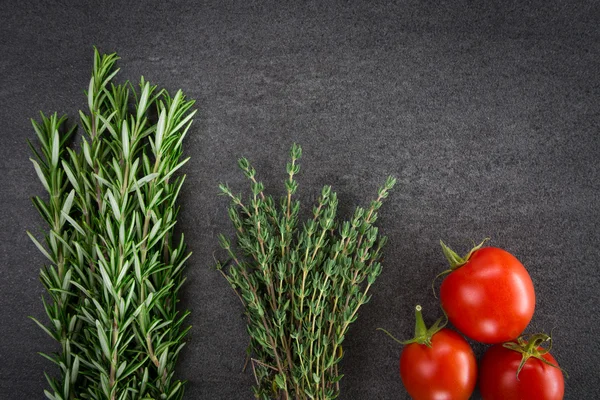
106, 279
66, 385
184, 121
125, 141
66, 209
50, 396
52, 335
90, 94
104, 182
103, 340
124, 270
154, 230
121, 369
55, 148
38, 131
141, 109
144, 382
87, 153
53, 359
140, 182
40, 247
137, 268
73, 223
162, 362
105, 385
172, 171
160, 131
70, 176
113, 203
40, 175
175, 390
43, 209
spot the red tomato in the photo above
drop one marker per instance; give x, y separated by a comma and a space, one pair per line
488, 296
445, 371
536, 380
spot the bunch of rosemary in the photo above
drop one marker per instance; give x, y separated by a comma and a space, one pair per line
115, 266
301, 285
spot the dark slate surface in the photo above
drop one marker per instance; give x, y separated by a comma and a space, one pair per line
488, 116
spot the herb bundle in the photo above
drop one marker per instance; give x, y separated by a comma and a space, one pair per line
115, 264
301, 286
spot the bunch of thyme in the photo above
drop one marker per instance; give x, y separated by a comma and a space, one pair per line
301, 286
115, 266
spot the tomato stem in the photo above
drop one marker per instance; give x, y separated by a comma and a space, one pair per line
390, 335
422, 334
420, 328
454, 259
530, 346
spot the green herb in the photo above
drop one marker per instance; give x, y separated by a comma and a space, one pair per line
301, 286
115, 265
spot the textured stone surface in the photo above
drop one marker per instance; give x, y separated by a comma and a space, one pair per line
487, 116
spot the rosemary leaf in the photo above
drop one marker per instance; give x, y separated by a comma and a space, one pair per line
115, 264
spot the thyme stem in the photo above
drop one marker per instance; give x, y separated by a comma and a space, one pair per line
301, 288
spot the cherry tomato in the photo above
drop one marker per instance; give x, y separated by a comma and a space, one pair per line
437, 364
538, 379
488, 295
445, 371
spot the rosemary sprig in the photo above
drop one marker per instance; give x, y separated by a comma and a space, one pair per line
301, 286
115, 266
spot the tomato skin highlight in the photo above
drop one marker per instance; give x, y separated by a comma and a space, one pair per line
445, 371
536, 381
490, 298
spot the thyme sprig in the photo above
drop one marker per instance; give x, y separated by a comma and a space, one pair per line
301, 285
115, 266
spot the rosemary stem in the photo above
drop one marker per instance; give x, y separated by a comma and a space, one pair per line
113, 283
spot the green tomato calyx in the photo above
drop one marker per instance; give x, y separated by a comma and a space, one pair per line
531, 346
423, 334
454, 259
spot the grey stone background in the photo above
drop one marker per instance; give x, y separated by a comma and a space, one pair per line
486, 113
